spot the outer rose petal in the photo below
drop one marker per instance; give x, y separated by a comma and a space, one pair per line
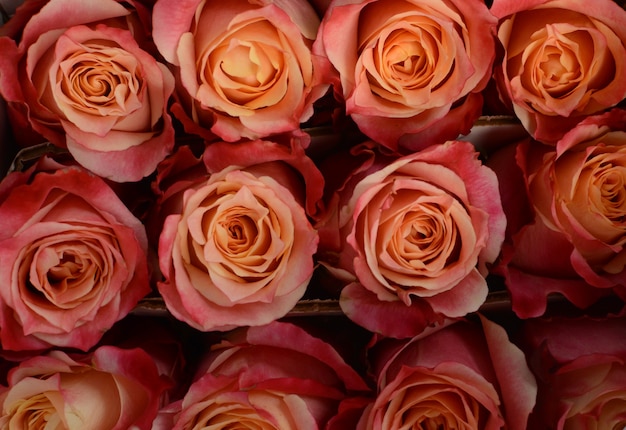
172, 18
517, 383
132, 164
219, 155
284, 336
366, 309
536, 266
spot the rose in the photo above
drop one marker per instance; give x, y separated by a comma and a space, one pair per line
111, 388
456, 376
581, 372
73, 259
414, 234
576, 198
564, 60
410, 72
240, 249
535, 260
245, 67
585, 197
84, 82
273, 376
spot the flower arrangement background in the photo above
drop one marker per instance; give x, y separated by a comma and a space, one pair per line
369, 214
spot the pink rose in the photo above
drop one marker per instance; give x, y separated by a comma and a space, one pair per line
413, 236
273, 376
459, 376
83, 81
580, 365
239, 250
111, 388
410, 71
73, 259
564, 60
245, 67
572, 240
578, 189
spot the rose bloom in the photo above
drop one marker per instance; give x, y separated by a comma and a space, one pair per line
111, 388
457, 376
245, 67
413, 236
577, 199
83, 81
564, 60
240, 250
535, 260
411, 72
274, 376
580, 364
586, 196
73, 259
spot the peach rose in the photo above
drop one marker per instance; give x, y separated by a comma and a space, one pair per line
276, 376
410, 71
73, 259
240, 249
564, 60
459, 376
577, 204
84, 82
245, 67
586, 196
111, 388
535, 261
413, 236
580, 364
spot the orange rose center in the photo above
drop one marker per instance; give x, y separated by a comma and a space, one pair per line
100, 82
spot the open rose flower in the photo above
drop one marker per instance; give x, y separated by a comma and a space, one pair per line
414, 235
460, 376
239, 251
410, 71
245, 67
580, 365
73, 259
585, 196
83, 81
572, 241
111, 388
275, 376
564, 60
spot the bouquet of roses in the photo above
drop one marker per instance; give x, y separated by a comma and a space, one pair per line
438, 186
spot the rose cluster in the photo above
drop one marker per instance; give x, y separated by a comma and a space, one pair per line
405, 161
